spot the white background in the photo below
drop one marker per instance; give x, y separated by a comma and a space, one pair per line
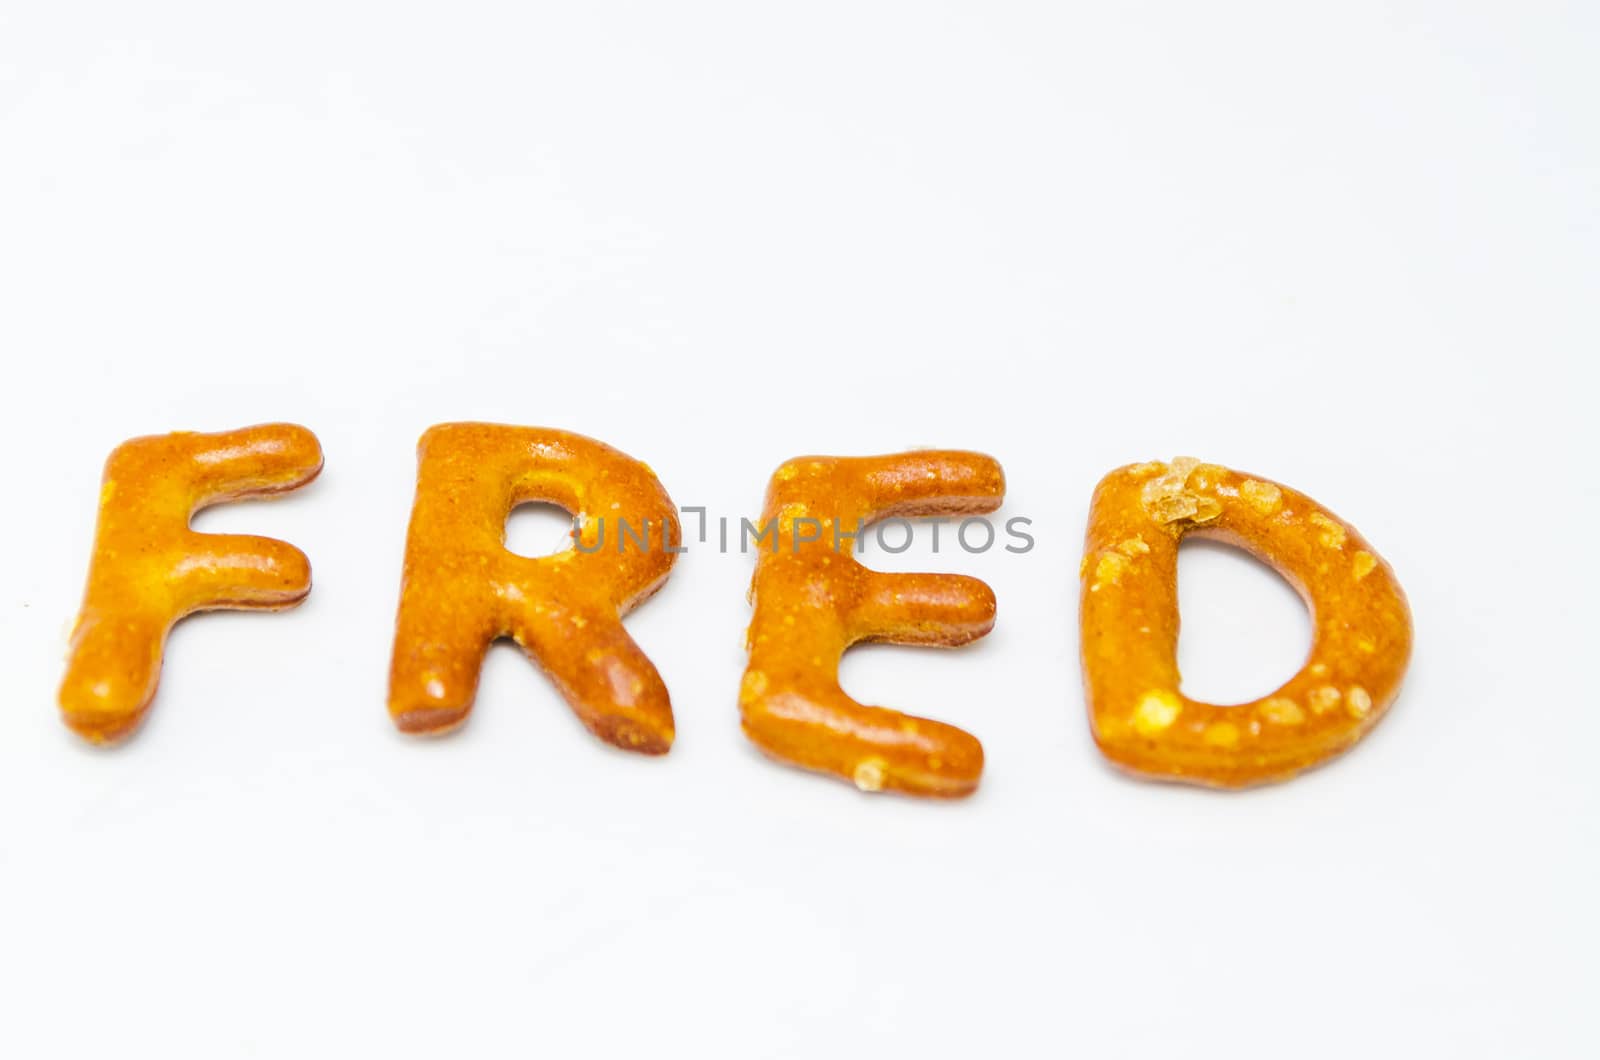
1351, 249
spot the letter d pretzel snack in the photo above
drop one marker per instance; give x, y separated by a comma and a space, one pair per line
1129, 616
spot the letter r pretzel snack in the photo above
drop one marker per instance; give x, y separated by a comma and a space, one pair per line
813, 600
462, 588
149, 569
1361, 636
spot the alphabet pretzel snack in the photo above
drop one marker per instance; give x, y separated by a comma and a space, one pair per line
1129, 620
149, 569
813, 600
461, 588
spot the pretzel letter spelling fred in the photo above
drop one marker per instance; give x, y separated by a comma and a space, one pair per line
462, 589
813, 600
149, 569
1129, 614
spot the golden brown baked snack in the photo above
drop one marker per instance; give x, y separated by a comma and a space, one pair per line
813, 600
1129, 620
462, 589
149, 569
